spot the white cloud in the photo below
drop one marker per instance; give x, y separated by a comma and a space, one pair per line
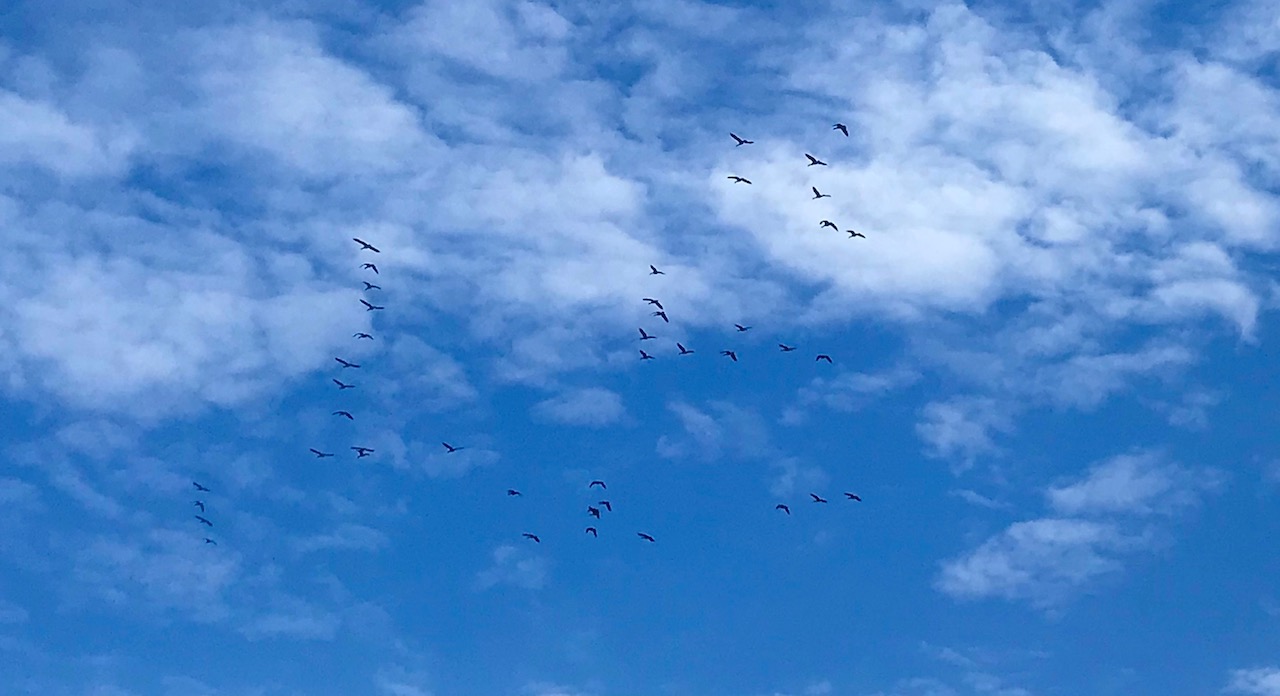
1137, 484
346, 537
591, 406
962, 428
1257, 681
515, 566
293, 618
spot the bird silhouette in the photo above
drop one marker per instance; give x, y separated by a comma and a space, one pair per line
814, 160
654, 302
203, 521
783, 508
451, 448
785, 348
207, 540
817, 195
645, 356
816, 498
512, 491
823, 356
607, 505
199, 504
644, 536
370, 307
319, 454
370, 267
370, 286
597, 482
662, 314
594, 512
344, 414
828, 223
646, 337
732, 355
198, 486
534, 537
653, 270
365, 245
362, 335
592, 531
741, 141
683, 350
739, 180
851, 496
842, 128
853, 234
346, 364
363, 451
343, 385
741, 328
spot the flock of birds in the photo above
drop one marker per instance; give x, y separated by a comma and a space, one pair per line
594, 511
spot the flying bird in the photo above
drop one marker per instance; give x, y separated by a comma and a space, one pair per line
740, 327
741, 141
654, 271
512, 491
654, 302
199, 504
817, 194
346, 364
828, 223
592, 531
842, 128
786, 348
822, 356
319, 454
644, 336
851, 496
644, 536
451, 448
370, 286
662, 314
607, 505
732, 355
783, 508
683, 350
203, 520
370, 307
597, 483
370, 267
198, 486
814, 160
362, 335
645, 356
363, 451
853, 234
817, 499
534, 537
739, 180
365, 245
207, 540
342, 385
594, 512
344, 414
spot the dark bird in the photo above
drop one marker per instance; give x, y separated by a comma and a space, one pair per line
828, 223
740, 327
814, 160
370, 267
594, 512
732, 355
654, 271
817, 195
740, 180
198, 486
741, 141
592, 531
607, 505
365, 245
783, 508
851, 496
346, 364
362, 335
595, 483
853, 234
822, 356
842, 128
344, 414
451, 448
203, 521
512, 491
207, 540
786, 348
683, 350
644, 536
342, 385
645, 356
644, 336
199, 504
362, 451
817, 499
654, 302
534, 537
662, 314
370, 307
319, 454
370, 286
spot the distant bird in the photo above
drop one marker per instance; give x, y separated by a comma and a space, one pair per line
207, 540
814, 160
319, 454
597, 482
198, 486
683, 350
654, 271
365, 245
786, 348
344, 414
739, 180
362, 335
783, 508
851, 496
842, 128
512, 491
645, 356
817, 195
370, 267
451, 448
732, 355
817, 499
592, 531
370, 286
607, 505
822, 356
740, 327
346, 364
654, 302
199, 504
644, 536
370, 307
646, 337
853, 234
662, 314
828, 223
363, 451
534, 537
741, 141
342, 385
203, 521
594, 512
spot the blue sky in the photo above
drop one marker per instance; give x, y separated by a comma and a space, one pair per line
1052, 355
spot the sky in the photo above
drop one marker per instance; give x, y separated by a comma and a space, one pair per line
1052, 354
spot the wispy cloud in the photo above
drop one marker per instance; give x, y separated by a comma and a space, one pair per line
515, 566
1257, 681
590, 406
